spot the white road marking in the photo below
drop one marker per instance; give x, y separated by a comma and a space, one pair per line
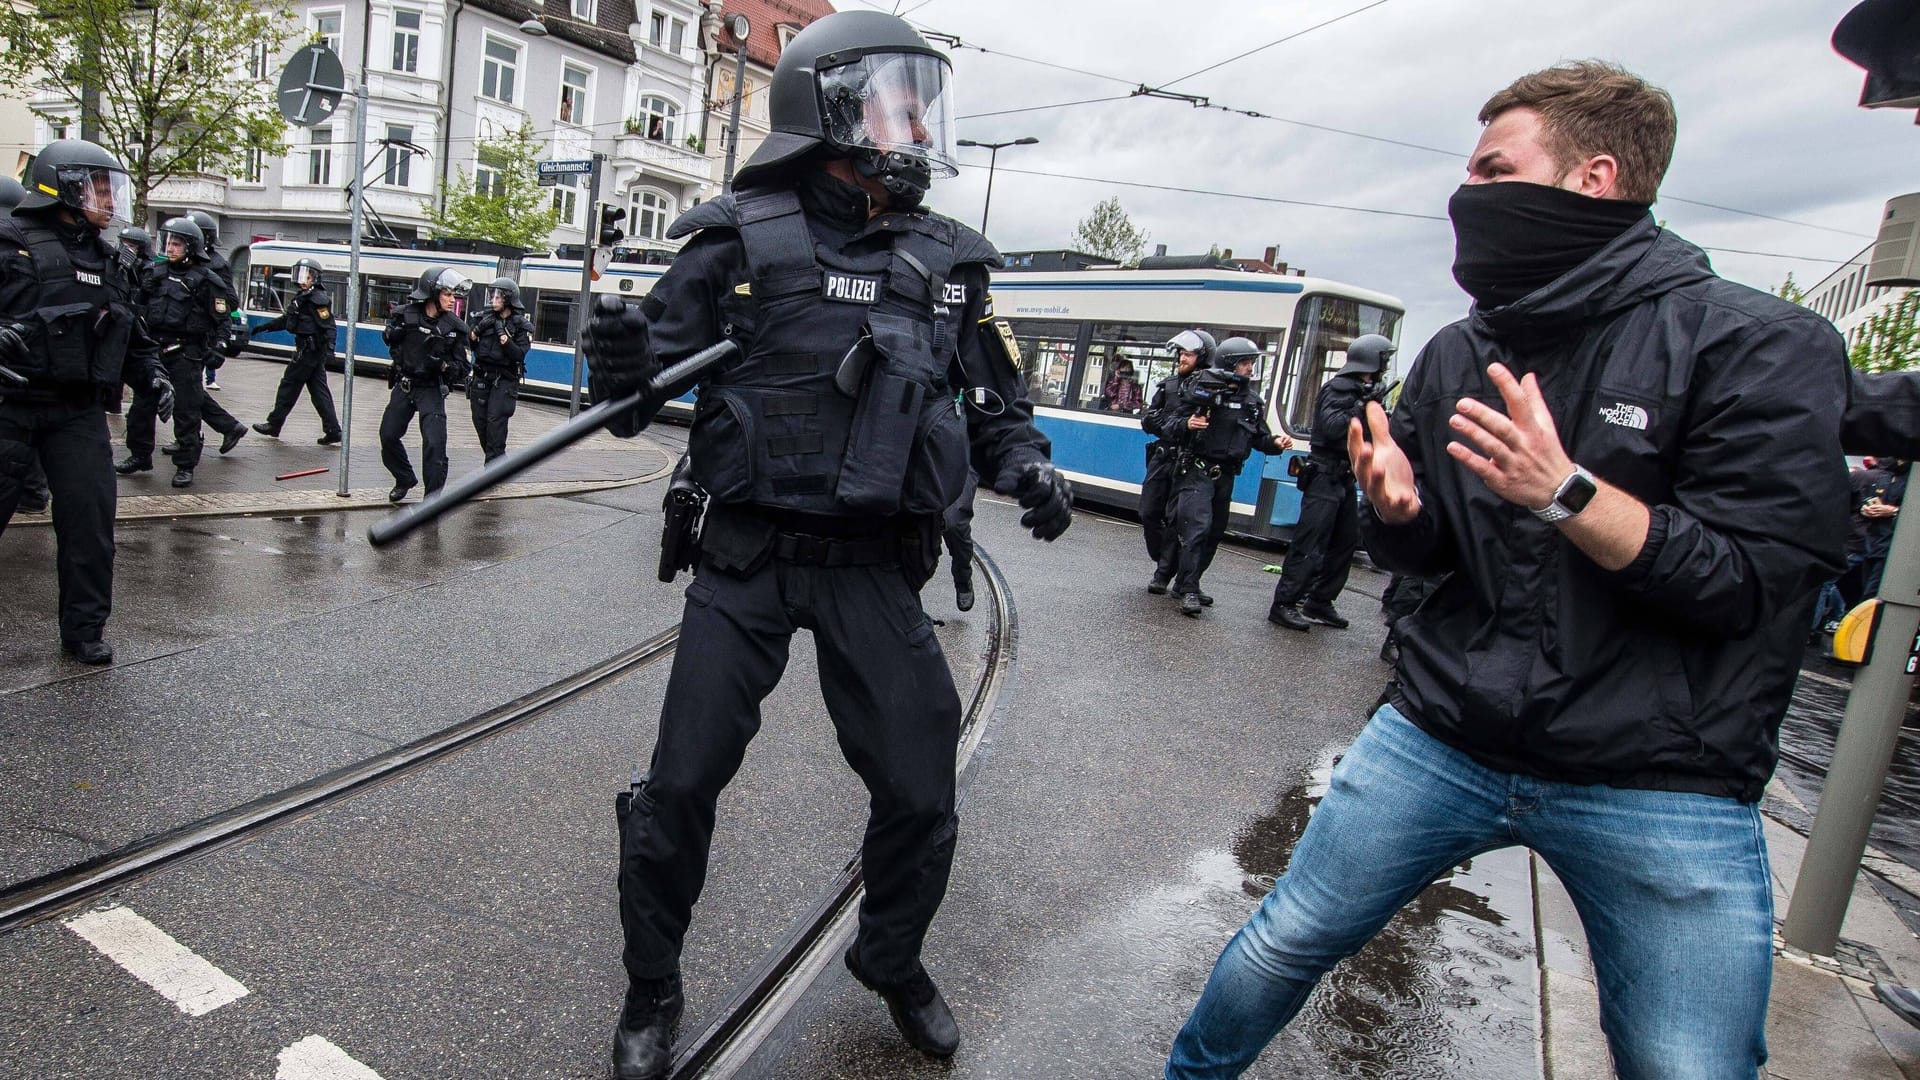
155, 958
314, 1058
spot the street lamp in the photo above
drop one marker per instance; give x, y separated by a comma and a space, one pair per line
992, 158
738, 26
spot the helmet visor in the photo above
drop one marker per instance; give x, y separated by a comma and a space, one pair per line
1186, 341
306, 275
452, 281
893, 103
104, 195
501, 296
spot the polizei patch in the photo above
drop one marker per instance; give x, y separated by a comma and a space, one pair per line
86, 278
852, 288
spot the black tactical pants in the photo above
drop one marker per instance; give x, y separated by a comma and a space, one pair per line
71, 443
894, 708
1199, 508
1155, 492
307, 371
1321, 552
493, 398
956, 529
431, 403
189, 402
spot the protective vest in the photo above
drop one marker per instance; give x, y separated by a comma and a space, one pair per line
82, 321
424, 348
182, 304
311, 316
492, 358
840, 404
1233, 416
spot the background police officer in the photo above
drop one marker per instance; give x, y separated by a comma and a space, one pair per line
223, 271
1191, 349
428, 343
501, 337
33, 485
309, 318
1327, 535
1224, 422
829, 450
183, 308
68, 330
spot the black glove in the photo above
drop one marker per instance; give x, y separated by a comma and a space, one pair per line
620, 359
13, 347
162, 397
1044, 492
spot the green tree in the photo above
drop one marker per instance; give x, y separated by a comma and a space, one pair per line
165, 86
1790, 291
1109, 233
1890, 339
511, 208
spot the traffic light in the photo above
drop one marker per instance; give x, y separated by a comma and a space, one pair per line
609, 225
1883, 36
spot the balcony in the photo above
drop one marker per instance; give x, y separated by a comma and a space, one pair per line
670, 161
199, 192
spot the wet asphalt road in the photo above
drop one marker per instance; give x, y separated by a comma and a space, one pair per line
1136, 792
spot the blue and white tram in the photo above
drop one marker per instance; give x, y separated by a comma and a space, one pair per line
1076, 327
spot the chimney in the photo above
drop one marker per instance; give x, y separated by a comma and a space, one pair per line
1272, 254
1227, 254
1279, 268
1159, 250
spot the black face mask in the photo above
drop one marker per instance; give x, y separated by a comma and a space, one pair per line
1513, 237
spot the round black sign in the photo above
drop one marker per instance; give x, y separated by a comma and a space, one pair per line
311, 86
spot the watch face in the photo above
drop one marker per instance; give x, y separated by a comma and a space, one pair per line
1576, 493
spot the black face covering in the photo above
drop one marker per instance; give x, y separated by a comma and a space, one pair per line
1514, 237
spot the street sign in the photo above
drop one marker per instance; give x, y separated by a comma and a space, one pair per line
566, 168
311, 86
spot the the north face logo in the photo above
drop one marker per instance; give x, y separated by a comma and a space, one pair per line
1626, 415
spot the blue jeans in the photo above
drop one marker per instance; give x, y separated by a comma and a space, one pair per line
1672, 888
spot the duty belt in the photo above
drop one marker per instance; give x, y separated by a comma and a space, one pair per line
804, 550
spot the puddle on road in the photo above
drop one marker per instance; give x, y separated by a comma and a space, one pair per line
1807, 736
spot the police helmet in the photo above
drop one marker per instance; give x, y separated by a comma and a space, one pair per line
136, 239
862, 85
84, 178
1368, 355
209, 228
1229, 353
306, 274
437, 279
189, 233
11, 192
506, 288
1198, 342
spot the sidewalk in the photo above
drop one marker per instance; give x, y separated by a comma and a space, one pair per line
1823, 1022
243, 481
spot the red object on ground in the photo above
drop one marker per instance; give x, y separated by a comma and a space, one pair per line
302, 472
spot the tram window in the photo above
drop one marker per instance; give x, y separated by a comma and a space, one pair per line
1323, 327
1140, 347
1046, 356
383, 297
266, 288
553, 317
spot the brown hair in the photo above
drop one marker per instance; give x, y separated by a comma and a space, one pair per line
1590, 107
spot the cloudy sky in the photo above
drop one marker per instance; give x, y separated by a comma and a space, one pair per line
1768, 125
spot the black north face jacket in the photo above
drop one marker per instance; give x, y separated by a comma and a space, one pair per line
1716, 405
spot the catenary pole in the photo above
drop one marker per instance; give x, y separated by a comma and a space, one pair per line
356, 196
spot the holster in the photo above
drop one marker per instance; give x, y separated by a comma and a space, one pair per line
1309, 469
685, 505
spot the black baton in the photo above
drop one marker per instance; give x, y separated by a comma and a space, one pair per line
504, 468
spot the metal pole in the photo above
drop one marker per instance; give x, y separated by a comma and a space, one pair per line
1868, 735
586, 282
993, 158
356, 194
733, 122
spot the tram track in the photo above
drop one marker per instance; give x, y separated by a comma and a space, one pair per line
759, 1002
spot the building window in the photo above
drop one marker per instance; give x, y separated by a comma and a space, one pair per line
659, 118
573, 94
650, 213
677, 39
657, 31
583, 10
566, 198
320, 157
502, 61
326, 29
253, 167
259, 60
489, 174
399, 159
406, 40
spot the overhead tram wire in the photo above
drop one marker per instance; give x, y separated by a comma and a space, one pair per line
1271, 44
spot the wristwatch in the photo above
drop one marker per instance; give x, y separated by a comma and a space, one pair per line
1573, 495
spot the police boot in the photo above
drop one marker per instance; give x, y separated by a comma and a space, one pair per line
232, 439
331, 439
917, 1009
170, 448
1158, 585
130, 464
1190, 604
1288, 615
1205, 600
182, 477
1323, 613
270, 432
643, 1043
399, 492
88, 652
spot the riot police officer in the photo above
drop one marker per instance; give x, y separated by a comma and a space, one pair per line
1321, 552
501, 338
1221, 422
309, 318
135, 240
829, 449
68, 332
183, 308
428, 343
216, 354
33, 490
1191, 349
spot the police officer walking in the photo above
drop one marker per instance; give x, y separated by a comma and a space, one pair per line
68, 332
309, 318
1321, 552
183, 306
33, 491
1191, 349
222, 270
428, 343
1224, 422
501, 338
829, 451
